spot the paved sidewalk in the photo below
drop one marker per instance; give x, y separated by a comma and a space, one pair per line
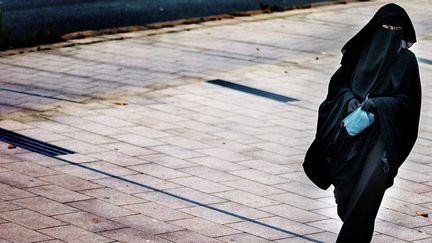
138, 112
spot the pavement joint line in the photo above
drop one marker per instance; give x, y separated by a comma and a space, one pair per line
39, 95
424, 60
253, 91
187, 199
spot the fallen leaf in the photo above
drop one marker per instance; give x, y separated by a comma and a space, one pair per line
120, 103
423, 214
11, 146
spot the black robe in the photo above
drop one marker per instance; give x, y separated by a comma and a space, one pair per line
334, 156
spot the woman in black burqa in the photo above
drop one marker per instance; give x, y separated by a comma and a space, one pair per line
376, 63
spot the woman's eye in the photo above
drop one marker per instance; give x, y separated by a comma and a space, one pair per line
391, 27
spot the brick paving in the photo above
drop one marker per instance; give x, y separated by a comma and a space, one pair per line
198, 142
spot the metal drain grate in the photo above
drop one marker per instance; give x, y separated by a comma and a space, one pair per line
253, 91
32, 144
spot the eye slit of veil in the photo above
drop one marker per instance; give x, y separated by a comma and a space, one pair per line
391, 27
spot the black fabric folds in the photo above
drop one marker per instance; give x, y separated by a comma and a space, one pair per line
373, 62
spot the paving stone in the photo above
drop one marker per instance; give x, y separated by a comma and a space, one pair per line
16, 233
58, 194
31, 219
259, 230
120, 185
211, 215
44, 206
158, 171
402, 219
137, 140
216, 163
109, 168
163, 199
187, 236
128, 149
399, 232
299, 201
385, 238
89, 137
19, 180
112, 196
201, 184
259, 176
323, 237
252, 187
150, 181
74, 234
7, 206
246, 198
224, 154
89, 222
243, 238
11, 193
148, 225
303, 189
205, 227
293, 213
101, 208
265, 166
157, 211
70, 182
177, 152
132, 236
168, 161
80, 172
118, 158
30, 169
209, 174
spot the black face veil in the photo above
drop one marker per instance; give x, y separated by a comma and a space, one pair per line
375, 61
370, 53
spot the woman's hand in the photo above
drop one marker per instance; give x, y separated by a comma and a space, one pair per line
352, 105
369, 106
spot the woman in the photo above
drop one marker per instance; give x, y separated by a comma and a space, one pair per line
377, 64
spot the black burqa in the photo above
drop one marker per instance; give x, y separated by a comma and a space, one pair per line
377, 63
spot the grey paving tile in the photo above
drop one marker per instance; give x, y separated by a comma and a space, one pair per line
74, 234
205, 227
131, 235
113, 196
19, 180
246, 198
252, 187
44, 206
400, 232
293, 213
187, 236
201, 184
101, 208
30, 219
30, 169
158, 211
158, 171
11, 193
16, 233
148, 225
70, 182
89, 222
57, 193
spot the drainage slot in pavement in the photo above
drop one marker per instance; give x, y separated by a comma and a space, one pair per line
32, 144
253, 91
424, 60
